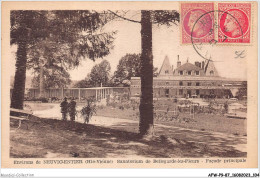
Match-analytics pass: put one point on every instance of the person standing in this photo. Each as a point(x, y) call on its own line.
point(64, 109)
point(72, 109)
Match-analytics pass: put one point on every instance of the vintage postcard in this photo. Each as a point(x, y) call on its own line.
point(129, 84)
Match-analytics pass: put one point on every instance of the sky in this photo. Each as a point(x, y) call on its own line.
point(166, 42)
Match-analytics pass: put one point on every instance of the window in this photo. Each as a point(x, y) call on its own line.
point(197, 72)
point(189, 72)
point(180, 83)
point(167, 92)
point(197, 92)
point(189, 83)
point(211, 72)
point(181, 72)
point(167, 83)
point(166, 72)
point(180, 92)
point(197, 83)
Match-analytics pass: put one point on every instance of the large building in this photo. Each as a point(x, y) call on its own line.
point(190, 80)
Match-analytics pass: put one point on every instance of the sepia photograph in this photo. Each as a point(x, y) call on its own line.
point(123, 85)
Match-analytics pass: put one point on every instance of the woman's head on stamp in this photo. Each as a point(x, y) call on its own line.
point(197, 24)
point(234, 23)
point(194, 16)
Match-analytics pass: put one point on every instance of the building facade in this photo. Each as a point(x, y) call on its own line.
point(190, 80)
point(98, 93)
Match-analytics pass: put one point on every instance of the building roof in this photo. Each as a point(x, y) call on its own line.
point(210, 67)
point(166, 66)
point(193, 78)
point(188, 66)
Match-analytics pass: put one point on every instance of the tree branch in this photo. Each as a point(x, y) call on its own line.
point(124, 17)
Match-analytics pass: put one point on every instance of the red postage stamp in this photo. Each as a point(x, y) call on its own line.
point(197, 22)
point(234, 22)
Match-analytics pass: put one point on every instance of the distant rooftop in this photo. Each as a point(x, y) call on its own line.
point(188, 66)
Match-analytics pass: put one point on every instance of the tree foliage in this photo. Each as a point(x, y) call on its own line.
point(129, 66)
point(52, 78)
point(28, 26)
point(85, 83)
point(165, 17)
point(242, 91)
point(100, 74)
point(57, 40)
point(69, 43)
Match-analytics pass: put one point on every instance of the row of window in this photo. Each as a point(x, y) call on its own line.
point(196, 72)
point(181, 83)
point(188, 92)
point(188, 84)
point(189, 72)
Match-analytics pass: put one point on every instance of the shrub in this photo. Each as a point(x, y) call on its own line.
point(112, 104)
point(101, 107)
point(127, 106)
point(42, 99)
point(88, 110)
point(226, 107)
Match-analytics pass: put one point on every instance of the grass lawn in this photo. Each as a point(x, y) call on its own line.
point(46, 138)
point(202, 121)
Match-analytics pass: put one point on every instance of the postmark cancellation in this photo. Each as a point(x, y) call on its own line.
point(224, 23)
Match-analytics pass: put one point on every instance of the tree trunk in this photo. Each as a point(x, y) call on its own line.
point(146, 100)
point(41, 81)
point(20, 76)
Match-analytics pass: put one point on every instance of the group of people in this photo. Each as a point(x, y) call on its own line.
point(68, 107)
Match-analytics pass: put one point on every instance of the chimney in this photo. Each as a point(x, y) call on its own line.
point(198, 64)
point(178, 62)
point(203, 64)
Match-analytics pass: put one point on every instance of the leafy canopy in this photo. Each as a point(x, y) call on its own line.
point(58, 40)
point(129, 66)
point(100, 74)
